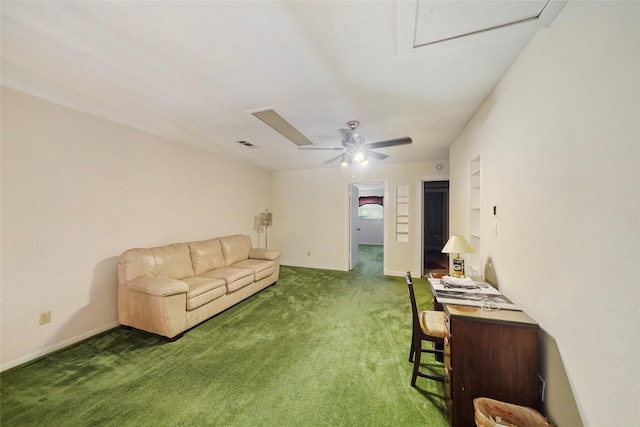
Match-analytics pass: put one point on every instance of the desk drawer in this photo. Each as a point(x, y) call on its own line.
point(447, 322)
point(448, 373)
point(447, 341)
point(447, 345)
point(488, 358)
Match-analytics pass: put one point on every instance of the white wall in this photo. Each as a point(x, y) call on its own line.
point(76, 192)
point(559, 139)
point(370, 231)
point(311, 214)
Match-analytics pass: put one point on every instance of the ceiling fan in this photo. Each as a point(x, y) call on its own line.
point(355, 150)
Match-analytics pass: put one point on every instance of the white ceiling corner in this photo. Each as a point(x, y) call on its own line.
point(191, 71)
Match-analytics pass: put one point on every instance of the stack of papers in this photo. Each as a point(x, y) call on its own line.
point(458, 283)
point(473, 294)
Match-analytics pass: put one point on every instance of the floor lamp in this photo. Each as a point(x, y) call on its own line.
point(266, 219)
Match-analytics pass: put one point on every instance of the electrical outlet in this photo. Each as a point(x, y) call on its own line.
point(45, 317)
point(542, 385)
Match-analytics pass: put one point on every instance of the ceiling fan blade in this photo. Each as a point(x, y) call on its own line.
point(333, 159)
point(375, 155)
point(321, 148)
point(390, 143)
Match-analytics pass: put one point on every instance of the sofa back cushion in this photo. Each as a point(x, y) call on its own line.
point(206, 256)
point(235, 248)
point(171, 261)
point(135, 263)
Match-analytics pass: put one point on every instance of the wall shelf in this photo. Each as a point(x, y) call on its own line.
point(474, 260)
point(402, 213)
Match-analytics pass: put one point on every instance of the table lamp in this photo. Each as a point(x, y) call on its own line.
point(458, 245)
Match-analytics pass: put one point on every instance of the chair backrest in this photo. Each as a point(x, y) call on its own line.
point(412, 297)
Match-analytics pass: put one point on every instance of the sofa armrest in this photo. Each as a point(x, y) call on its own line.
point(266, 254)
point(160, 286)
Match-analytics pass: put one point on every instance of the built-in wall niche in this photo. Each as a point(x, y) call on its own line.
point(474, 260)
point(402, 213)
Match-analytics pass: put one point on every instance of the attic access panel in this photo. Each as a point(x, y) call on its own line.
point(438, 21)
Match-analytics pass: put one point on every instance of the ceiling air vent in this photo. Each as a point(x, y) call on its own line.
point(246, 144)
point(273, 119)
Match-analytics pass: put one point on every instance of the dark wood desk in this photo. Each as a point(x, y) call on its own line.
point(488, 354)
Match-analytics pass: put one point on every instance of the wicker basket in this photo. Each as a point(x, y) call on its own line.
point(493, 413)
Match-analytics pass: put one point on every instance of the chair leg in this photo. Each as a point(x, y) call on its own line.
point(417, 352)
point(412, 348)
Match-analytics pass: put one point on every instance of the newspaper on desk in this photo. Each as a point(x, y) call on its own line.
point(464, 291)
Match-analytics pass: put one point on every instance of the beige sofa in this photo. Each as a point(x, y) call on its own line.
point(169, 289)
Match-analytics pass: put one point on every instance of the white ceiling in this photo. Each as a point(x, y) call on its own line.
point(192, 71)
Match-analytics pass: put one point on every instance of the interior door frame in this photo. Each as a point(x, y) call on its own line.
point(420, 206)
point(443, 191)
point(352, 211)
point(354, 253)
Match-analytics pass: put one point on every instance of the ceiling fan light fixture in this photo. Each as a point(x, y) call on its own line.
point(355, 151)
point(352, 138)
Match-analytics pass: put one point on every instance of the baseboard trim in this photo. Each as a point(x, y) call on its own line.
point(395, 273)
point(55, 347)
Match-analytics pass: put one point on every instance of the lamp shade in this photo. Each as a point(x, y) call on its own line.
point(457, 245)
point(266, 218)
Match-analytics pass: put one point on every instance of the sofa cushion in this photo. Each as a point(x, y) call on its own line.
point(267, 254)
point(203, 290)
point(136, 263)
point(171, 261)
point(235, 248)
point(234, 277)
point(261, 268)
point(157, 286)
point(206, 256)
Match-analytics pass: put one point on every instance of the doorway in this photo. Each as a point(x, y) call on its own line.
point(435, 226)
point(366, 229)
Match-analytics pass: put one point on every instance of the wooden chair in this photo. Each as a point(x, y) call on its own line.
point(427, 326)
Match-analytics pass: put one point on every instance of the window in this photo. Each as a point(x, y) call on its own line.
point(370, 208)
point(370, 212)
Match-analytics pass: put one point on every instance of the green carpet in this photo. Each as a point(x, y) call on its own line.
point(320, 348)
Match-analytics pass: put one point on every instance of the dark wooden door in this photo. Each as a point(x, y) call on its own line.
point(435, 226)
